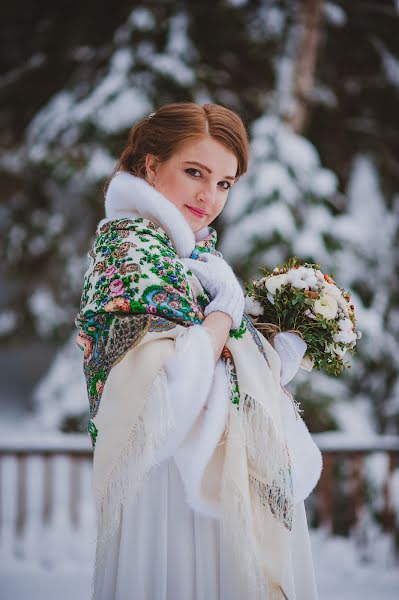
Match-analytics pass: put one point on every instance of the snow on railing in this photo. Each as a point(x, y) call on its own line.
point(47, 510)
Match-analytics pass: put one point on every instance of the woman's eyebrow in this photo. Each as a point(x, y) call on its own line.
point(195, 162)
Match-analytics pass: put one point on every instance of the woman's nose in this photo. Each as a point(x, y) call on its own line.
point(208, 194)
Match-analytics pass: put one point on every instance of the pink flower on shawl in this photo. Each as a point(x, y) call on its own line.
point(151, 309)
point(116, 287)
point(110, 271)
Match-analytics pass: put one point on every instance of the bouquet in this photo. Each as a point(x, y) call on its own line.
point(299, 298)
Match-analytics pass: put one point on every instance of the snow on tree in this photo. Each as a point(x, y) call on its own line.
point(285, 207)
point(366, 262)
point(68, 150)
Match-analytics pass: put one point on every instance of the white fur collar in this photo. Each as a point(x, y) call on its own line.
point(130, 196)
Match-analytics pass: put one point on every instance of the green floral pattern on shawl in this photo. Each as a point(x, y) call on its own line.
point(135, 283)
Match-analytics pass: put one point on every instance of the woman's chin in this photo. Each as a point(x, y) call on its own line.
point(195, 227)
point(194, 222)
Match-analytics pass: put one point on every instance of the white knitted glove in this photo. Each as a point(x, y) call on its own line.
point(291, 348)
point(217, 277)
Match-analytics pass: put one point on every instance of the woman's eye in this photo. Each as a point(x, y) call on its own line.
point(228, 185)
point(225, 185)
point(192, 172)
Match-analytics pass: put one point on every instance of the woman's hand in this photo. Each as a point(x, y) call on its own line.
point(217, 277)
point(291, 348)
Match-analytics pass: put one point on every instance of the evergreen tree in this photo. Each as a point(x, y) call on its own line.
point(303, 75)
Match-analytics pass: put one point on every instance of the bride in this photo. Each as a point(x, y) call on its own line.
point(201, 462)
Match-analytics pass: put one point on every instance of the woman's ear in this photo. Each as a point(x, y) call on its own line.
point(151, 166)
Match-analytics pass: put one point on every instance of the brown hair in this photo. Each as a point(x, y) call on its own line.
point(162, 132)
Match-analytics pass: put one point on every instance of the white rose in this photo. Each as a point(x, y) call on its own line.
point(275, 282)
point(253, 307)
point(326, 306)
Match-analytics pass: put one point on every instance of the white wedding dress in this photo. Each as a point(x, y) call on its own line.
point(164, 550)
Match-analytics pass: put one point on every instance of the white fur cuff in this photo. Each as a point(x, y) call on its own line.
point(189, 374)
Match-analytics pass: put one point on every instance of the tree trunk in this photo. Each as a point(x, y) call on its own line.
point(310, 22)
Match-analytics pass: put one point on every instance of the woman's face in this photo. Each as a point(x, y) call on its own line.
point(196, 179)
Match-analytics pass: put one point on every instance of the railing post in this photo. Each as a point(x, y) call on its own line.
point(326, 491)
point(21, 493)
point(74, 488)
point(47, 487)
point(357, 485)
point(389, 512)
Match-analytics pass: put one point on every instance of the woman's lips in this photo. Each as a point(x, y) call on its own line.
point(197, 213)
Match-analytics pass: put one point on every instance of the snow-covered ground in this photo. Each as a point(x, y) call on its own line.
point(339, 570)
point(342, 574)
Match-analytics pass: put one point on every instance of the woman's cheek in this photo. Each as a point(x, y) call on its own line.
point(220, 207)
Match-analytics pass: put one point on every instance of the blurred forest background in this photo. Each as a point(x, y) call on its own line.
point(317, 84)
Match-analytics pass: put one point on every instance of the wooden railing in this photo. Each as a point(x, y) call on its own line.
point(344, 462)
point(46, 480)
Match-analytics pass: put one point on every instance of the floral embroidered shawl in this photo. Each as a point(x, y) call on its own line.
point(125, 280)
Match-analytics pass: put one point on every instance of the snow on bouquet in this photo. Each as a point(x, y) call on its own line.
point(299, 298)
